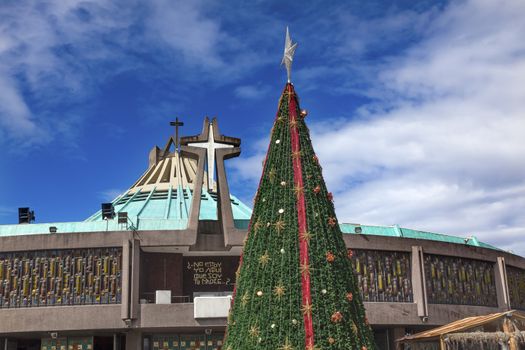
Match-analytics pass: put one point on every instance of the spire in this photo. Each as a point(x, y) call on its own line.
point(296, 287)
point(289, 51)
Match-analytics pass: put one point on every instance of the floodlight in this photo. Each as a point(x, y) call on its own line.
point(108, 211)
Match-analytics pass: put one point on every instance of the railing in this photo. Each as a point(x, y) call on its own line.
point(149, 298)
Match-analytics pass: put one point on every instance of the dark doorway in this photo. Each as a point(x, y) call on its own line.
point(28, 344)
point(103, 343)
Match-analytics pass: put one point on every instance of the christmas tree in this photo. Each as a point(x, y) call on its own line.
point(295, 288)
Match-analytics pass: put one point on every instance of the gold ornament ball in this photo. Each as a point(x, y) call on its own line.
point(259, 293)
point(294, 321)
point(283, 183)
point(304, 113)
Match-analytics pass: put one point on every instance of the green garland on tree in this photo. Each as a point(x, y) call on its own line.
point(295, 287)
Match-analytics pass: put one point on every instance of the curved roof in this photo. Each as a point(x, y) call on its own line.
point(165, 192)
point(172, 204)
point(172, 170)
point(161, 199)
point(396, 231)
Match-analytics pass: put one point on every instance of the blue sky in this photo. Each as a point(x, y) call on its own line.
point(417, 109)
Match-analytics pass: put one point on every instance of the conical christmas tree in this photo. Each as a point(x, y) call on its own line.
point(295, 288)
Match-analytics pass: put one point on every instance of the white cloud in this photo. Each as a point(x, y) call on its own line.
point(444, 150)
point(252, 92)
point(110, 194)
point(41, 46)
point(182, 25)
point(56, 54)
point(441, 148)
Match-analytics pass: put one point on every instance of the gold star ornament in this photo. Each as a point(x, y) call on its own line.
point(305, 269)
point(306, 309)
point(306, 236)
point(286, 345)
point(264, 259)
point(298, 190)
point(254, 331)
point(245, 299)
point(279, 226)
point(296, 154)
point(257, 226)
point(271, 175)
point(279, 291)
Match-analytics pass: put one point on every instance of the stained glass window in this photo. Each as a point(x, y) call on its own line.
point(516, 281)
point(60, 277)
point(188, 341)
point(451, 280)
point(383, 275)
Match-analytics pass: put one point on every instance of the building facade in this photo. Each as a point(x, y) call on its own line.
point(155, 269)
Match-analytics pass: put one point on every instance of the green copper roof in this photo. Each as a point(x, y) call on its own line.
point(396, 231)
point(169, 210)
point(152, 210)
point(173, 204)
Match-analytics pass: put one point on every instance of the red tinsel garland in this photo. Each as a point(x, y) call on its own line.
point(301, 217)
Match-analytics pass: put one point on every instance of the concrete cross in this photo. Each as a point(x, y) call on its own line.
point(176, 124)
point(210, 145)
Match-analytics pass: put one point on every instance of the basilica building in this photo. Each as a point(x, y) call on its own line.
point(155, 268)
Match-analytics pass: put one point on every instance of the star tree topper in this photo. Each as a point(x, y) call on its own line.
point(289, 51)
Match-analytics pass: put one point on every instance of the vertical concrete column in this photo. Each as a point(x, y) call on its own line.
point(418, 281)
point(135, 279)
point(393, 334)
point(502, 286)
point(10, 345)
point(133, 340)
point(124, 306)
point(224, 205)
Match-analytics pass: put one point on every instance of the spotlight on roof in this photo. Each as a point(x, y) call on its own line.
point(52, 229)
point(25, 216)
point(122, 217)
point(108, 211)
point(358, 230)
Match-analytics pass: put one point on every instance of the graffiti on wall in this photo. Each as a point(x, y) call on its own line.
point(60, 277)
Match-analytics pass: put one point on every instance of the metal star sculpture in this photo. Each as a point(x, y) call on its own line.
point(289, 51)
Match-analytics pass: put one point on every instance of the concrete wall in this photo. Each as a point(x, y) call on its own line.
point(144, 270)
point(61, 318)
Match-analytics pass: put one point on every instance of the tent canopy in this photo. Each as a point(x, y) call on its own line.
point(518, 318)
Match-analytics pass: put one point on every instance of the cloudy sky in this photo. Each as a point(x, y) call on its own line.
point(417, 109)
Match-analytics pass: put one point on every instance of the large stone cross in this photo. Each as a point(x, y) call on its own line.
point(210, 145)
